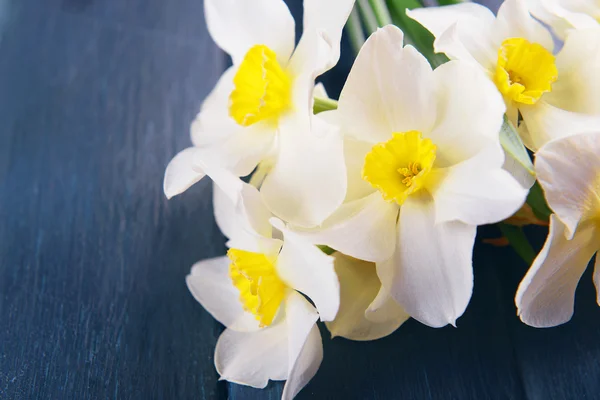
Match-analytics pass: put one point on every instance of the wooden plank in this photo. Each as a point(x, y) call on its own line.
point(561, 362)
point(93, 301)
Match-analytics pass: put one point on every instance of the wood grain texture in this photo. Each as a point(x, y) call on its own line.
point(95, 98)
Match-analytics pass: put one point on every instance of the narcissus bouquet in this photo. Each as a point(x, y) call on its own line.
point(362, 212)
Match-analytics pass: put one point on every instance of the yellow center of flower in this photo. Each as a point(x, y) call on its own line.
point(261, 290)
point(400, 166)
point(262, 88)
point(525, 71)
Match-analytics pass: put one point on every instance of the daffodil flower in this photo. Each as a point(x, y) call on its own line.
point(424, 168)
point(546, 96)
point(261, 108)
point(565, 15)
point(569, 171)
point(254, 291)
point(367, 311)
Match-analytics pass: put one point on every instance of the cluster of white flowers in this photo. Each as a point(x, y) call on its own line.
point(366, 214)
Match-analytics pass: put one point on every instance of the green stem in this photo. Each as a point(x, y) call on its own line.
point(368, 16)
point(355, 31)
point(323, 104)
point(382, 14)
point(519, 242)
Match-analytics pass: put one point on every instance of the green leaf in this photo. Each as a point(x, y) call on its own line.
point(355, 32)
point(326, 249)
point(367, 15)
point(382, 14)
point(514, 147)
point(414, 32)
point(322, 104)
point(519, 242)
point(537, 201)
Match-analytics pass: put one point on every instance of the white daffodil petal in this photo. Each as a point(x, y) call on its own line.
point(305, 351)
point(237, 25)
point(355, 152)
point(359, 287)
point(546, 294)
point(568, 172)
point(211, 286)
point(470, 112)
point(323, 21)
point(241, 151)
point(307, 269)
point(545, 122)
point(462, 31)
point(477, 191)
point(213, 123)
point(384, 308)
point(308, 180)
point(565, 15)
point(225, 213)
point(241, 201)
point(364, 229)
point(318, 49)
point(432, 267)
point(370, 107)
point(515, 21)
point(182, 173)
point(252, 358)
point(578, 81)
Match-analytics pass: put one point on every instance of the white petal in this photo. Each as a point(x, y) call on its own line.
point(308, 181)
point(237, 25)
point(252, 358)
point(213, 123)
point(307, 269)
point(323, 21)
point(318, 49)
point(578, 81)
point(320, 91)
point(545, 122)
point(364, 229)
point(305, 351)
point(389, 89)
point(355, 152)
point(241, 151)
point(241, 213)
point(225, 143)
point(565, 17)
point(477, 191)
point(547, 293)
point(569, 171)
point(238, 207)
point(432, 275)
point(514, 20)
point(211, 286)
point(181, 173)
point(470, 112)
point(383, 308)
point(462, 31)
point(225, 212)
point(360, 286)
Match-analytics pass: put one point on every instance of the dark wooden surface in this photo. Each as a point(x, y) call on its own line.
point(95, 98)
